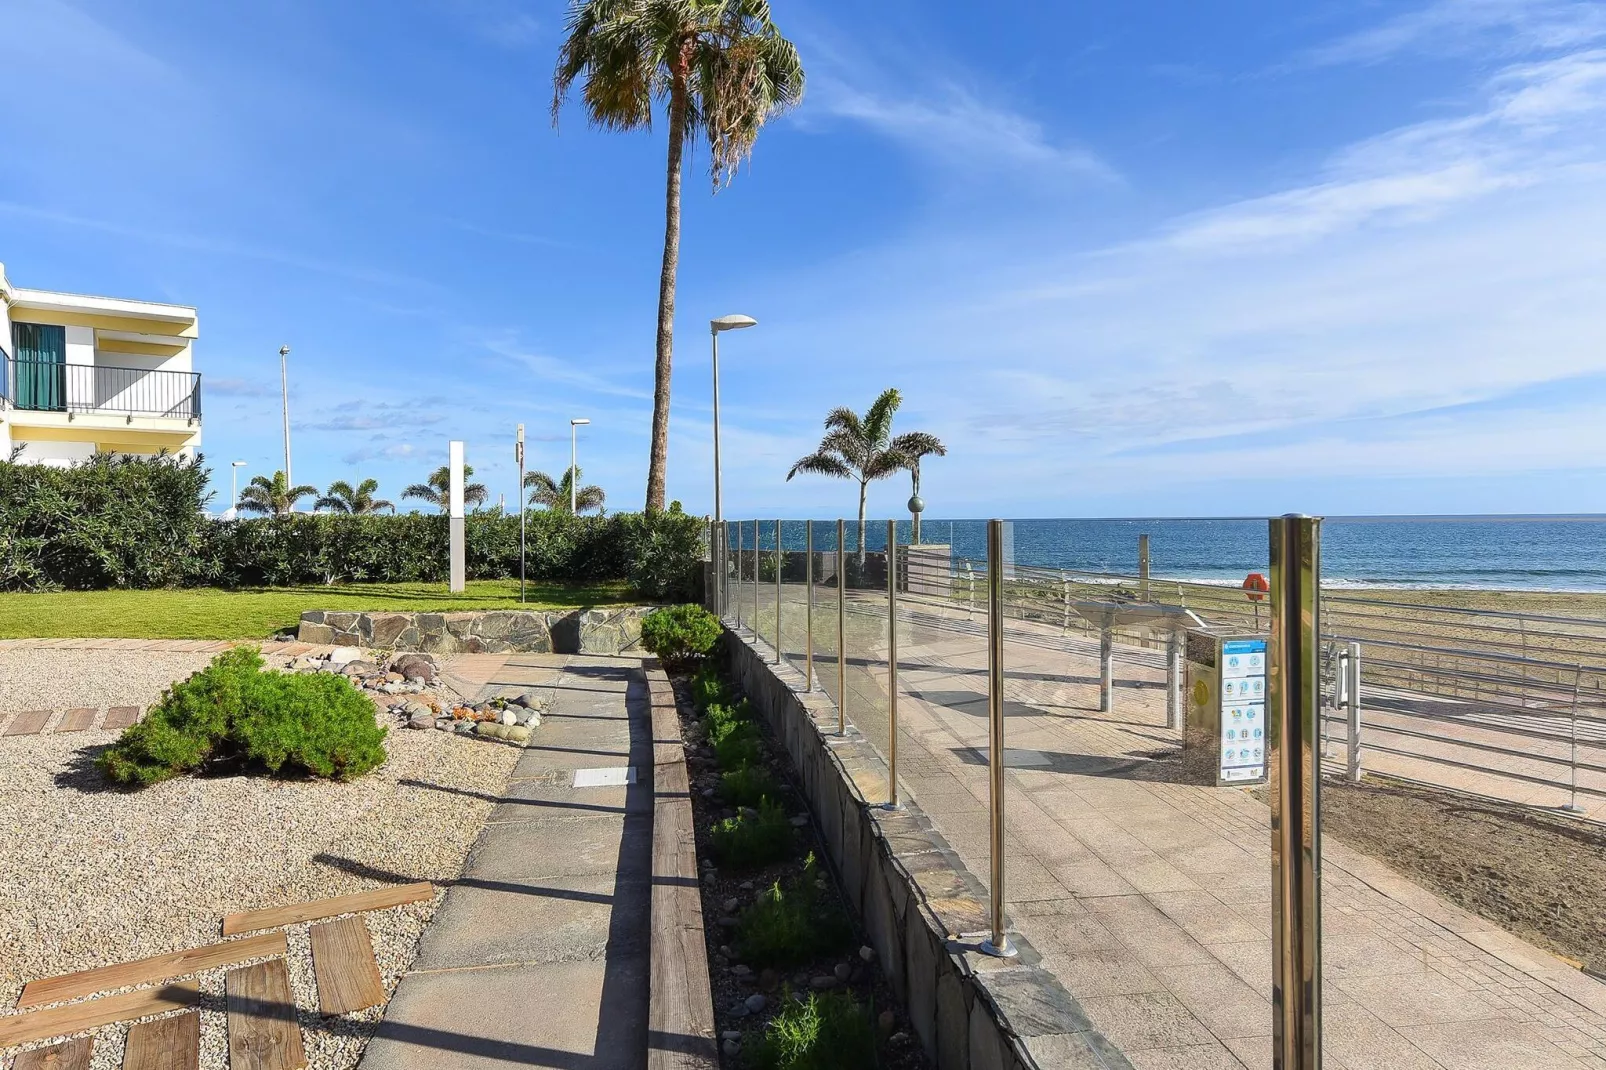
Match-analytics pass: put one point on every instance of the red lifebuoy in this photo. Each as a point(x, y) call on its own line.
point(1255, 586)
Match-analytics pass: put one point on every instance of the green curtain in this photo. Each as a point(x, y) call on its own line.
point(41, 350)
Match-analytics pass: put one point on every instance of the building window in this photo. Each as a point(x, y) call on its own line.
point(41, 361)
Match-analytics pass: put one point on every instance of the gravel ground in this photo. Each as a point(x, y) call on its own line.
point(91, 876)
point(58, 679)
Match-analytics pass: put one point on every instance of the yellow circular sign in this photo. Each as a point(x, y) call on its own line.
point(1201, 693)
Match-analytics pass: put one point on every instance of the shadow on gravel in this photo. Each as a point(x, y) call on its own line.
point(84, 776)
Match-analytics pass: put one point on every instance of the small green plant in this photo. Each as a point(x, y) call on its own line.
point(791, 925)
point(234, 711)
point(680, 636)
point(707, 688)
point(748, 785)
point(738, 749)
point(723, 720)
point(753, 838)
point(824, 1032)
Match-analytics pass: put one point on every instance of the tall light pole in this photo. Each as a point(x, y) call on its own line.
point(234, 488)
point(574, 462)
point(518, 450)
point(715, 327)
point(284, 392)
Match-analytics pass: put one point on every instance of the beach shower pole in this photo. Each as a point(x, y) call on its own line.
point(1293, 709)
point(1173, 680)
point(892, 661)
point(1106, 668)
point(997, 942)
point(841, 630)
point(808, 585)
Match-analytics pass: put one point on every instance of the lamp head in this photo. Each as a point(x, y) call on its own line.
point(731, 323)
point(238, 464)
point(284, 351)
point(577, 423)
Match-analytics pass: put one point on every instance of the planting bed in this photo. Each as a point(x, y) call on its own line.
point(795, 986)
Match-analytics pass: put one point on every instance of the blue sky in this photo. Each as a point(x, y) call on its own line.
point(1137, 259)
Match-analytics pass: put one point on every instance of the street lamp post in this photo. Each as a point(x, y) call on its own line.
point(574, 462)
point(723, 323)
point(284, 392)
point(519, 449)
point(234, 488)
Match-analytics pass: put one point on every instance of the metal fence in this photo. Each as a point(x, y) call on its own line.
point(50, 386)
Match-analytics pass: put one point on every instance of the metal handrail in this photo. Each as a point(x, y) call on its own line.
point(50, 386)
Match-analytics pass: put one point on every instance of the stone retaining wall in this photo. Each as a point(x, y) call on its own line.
point(585, 631)
point(920, 906)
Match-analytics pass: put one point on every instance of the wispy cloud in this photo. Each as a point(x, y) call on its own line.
point(554, 370)
point(1508, 27)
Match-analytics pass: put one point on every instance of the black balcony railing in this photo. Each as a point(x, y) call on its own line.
point(51, 386)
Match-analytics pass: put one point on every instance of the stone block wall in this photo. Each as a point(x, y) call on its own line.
point(587, 631)
point(921, 907)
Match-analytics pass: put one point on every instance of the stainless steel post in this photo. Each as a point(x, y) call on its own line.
point(808, 584)
point(841, 630)
point(1352, 710)
point(1293, 707)
point(1065, 603)
point(736, 603)
point(997, 942)
point(1173, 681)
point(892, 661)
point(757, 538)
point(779, 560)
point(1572, 806)
point(1143, 567)
point(970, 591)
point(1106, 669)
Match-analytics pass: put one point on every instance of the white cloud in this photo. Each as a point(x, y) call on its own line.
point(1508, 26)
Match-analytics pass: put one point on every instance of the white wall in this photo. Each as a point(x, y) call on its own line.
point(56, 454)
point(80, 350)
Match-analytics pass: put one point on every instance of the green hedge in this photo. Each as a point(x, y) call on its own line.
point(131, 522)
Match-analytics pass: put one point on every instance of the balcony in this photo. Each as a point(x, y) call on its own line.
point(100, 389)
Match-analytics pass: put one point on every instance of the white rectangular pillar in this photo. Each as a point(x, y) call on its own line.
point(458, 573)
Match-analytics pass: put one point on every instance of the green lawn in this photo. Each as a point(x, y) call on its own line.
point(258, 613)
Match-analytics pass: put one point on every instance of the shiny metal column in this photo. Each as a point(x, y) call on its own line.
point(1106, 669)
point(1352, 710)
point(1173, 680)
point(841, 630)
point(779, 560)
point(757, 632)
point(808, 584)
point(736, 603)
point(1293, 711)
point(997, 942)
point(892, 660)
point(1143, 567)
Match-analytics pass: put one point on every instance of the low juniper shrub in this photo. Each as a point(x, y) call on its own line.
point(234, 712)
point(748, 785)
point(753, 838)
point(829, 1031)
point(680, 636)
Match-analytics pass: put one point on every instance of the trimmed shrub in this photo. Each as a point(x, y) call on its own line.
point(680, 636)
point(829, 1031)
point(233, 711)
point(786, 927)
point(753, 838)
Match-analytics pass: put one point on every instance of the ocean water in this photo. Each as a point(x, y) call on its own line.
point(1500, 553)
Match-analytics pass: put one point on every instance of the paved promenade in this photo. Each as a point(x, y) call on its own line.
point(1151, 900)
point(538, 956)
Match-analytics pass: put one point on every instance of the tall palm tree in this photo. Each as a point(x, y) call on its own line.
point(554, 493)
point(912, 446)
point(437, 490)
point(343, 498)
point(272, 497)
point(721, 68)
point(862, 448)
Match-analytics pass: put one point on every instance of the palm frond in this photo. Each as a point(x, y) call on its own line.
point(821, 464)
point(878, 421)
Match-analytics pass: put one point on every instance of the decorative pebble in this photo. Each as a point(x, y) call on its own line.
point(755, 1002)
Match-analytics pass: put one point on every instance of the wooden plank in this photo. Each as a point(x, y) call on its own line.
point(343, 962)
point(27, 723)
point(680, 1001)
point(92, 1013)
point(149, 971)
point(378, 899)
point(70, 1055)
point(263, 1034)
point(77, 720)
point(121, 716)
point(172, 1043)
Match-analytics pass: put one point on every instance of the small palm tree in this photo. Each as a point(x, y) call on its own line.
point(862, 448)
point(342, 498)
point(721, 68)
point(272, 497)
point(554, 493)
point(437, 490)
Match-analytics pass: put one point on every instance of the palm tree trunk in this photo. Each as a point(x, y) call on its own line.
point(864, 488)
point(658, 464)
